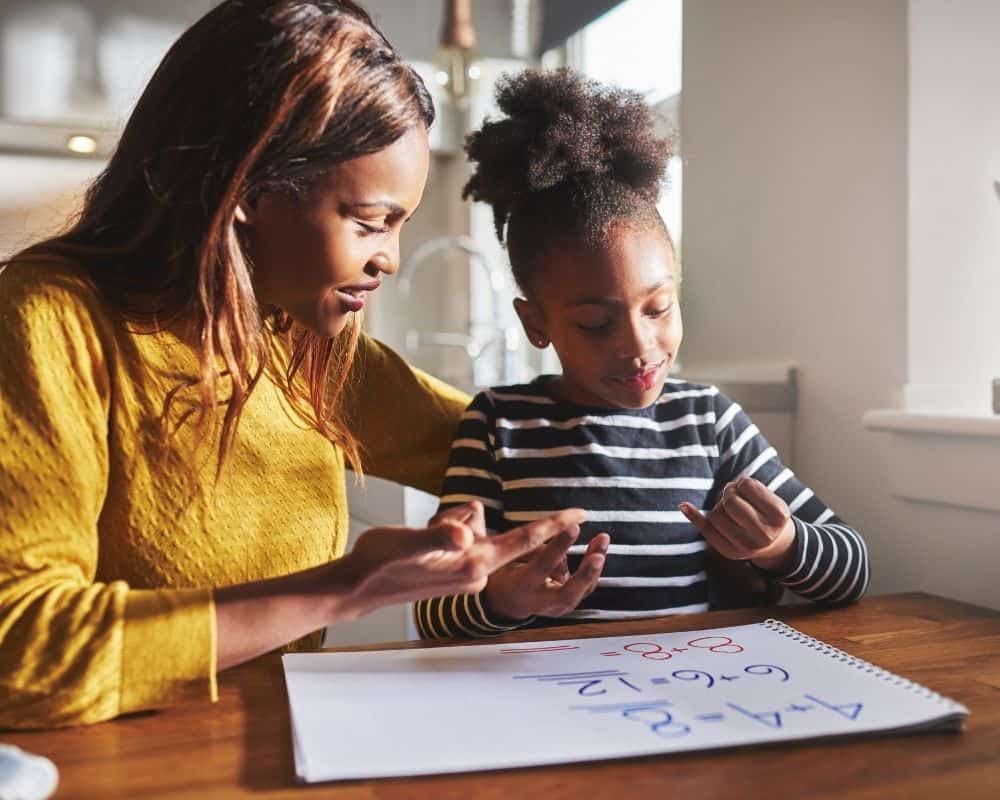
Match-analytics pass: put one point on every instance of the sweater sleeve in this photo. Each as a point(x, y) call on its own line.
point(403, 418)
point(74, 650)
point(471, 475)
point(830, 558)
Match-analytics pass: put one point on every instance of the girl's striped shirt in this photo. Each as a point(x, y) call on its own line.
point(525, 456)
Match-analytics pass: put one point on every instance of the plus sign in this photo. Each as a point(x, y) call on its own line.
point(678, 650)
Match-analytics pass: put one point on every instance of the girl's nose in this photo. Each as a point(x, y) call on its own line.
point(635, 341)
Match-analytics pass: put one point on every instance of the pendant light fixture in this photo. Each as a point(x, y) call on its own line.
point(456, 67)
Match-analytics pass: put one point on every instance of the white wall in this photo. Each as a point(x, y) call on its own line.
point(954, 209)
point(39, 196)
point(794, 123)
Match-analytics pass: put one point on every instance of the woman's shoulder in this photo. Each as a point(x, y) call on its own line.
point(49, 286)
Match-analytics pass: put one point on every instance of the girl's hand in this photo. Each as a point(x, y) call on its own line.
point(452, 556)
point(542, 584)
point(750, 522)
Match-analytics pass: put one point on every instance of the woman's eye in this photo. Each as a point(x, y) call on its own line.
point(372, 229)
point(661, 312)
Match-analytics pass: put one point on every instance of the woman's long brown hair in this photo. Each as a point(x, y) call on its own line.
point(258, 96)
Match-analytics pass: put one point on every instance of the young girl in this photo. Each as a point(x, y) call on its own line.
point(179, 395)
point(673, 471)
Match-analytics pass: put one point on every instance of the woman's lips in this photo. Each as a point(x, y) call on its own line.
point(351, 301)
point(352, 298)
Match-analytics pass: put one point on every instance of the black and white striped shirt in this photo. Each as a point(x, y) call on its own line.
point(525, 456)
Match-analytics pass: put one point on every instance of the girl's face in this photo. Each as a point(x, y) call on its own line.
point(318, 257)
point(611, 313)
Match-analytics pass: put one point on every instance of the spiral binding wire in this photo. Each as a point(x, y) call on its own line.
point(783, 629)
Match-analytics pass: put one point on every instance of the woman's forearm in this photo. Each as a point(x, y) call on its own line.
point(254, 618)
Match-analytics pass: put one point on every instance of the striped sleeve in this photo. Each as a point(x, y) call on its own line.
point(471, 475)
point(830, 558)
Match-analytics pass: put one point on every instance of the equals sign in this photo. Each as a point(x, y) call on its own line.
point(611, 653)
point(710, 717)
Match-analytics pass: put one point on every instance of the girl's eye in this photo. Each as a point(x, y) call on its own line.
point(595, 330)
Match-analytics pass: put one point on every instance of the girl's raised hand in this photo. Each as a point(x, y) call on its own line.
point(750, 522)
point(541, 584)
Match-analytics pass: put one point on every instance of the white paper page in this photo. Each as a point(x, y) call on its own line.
point(411, 712)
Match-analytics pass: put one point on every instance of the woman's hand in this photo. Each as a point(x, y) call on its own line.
point(541, 584)
point(750, 522)
point(452, 556)
point(387, 565)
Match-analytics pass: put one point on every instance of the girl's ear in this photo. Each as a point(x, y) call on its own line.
point(532, 322)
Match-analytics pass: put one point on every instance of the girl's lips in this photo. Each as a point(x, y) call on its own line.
point(642, 379)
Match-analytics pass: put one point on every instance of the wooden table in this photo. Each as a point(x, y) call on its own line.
point(241, 746)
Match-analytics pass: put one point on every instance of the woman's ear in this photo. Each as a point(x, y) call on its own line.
point(246, 212)
point(532, 322)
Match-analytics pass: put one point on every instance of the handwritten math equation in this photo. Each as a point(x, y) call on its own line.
point(657, 712)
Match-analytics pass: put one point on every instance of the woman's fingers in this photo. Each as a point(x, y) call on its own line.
point(448, 535)
point(520, 541)
point(471, 514)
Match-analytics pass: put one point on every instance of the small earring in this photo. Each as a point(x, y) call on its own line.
point(540, 342)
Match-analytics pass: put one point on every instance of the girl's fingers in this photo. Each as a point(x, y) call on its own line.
point(752, 526)
point(771, 507)
point(549, 557)
point(707, 529)
point(599, 544)
point(581, 583)
point(742, 541)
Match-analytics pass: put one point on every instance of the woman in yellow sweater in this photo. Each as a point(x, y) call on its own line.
point(183, 379)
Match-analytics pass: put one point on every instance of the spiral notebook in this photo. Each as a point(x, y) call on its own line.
point(453, 709)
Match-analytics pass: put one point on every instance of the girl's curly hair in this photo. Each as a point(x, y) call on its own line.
point(570, 158)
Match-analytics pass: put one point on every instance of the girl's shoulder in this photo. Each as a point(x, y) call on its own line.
point(532, 392)
point(692, 397)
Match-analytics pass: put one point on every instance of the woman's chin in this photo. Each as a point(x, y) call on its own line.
point(321, 321)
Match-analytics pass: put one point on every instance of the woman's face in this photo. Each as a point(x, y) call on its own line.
point(317, 257)
point(611, 314)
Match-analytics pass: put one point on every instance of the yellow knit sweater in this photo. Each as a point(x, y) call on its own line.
point(111, 542)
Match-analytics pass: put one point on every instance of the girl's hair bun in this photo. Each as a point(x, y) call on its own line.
point(562, 129)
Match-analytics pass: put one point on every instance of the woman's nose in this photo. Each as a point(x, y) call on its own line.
point(385, 261)
point(390, 264)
